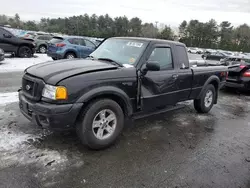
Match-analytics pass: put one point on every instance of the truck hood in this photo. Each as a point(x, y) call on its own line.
point(53, 72)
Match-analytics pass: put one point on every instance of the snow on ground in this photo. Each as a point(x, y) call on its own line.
point(19, 64)
point(21, 143)
point(6, 98)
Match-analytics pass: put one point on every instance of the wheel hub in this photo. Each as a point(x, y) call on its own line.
point(208, 98)
point(104, 124)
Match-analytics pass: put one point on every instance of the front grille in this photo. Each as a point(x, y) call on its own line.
point(32, 87)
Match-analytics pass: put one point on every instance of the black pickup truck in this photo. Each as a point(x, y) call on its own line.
point(124, 78)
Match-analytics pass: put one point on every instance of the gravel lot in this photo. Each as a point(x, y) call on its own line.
point(175, 149)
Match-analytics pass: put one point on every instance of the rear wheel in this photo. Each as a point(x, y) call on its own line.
point(24, 51)
point(206, 101)
point(100, 124)
point(54, 58)
point(43, 49)
point(70, 55)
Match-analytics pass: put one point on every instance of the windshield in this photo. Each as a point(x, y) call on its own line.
point(123, 51)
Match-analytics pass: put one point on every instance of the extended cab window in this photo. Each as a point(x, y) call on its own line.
point(163, 56)
point(182, 56)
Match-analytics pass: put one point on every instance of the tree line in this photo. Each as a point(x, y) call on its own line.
point(193, 33)
point(213, 35)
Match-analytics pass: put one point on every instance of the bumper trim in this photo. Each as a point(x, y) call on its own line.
point(46, 115)
point(234, 85)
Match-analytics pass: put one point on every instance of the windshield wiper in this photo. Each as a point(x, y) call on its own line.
point(111, 61)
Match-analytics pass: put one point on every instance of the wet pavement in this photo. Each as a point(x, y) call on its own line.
point(175, 149)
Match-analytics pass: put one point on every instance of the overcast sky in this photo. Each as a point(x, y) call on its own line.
point(170, 12)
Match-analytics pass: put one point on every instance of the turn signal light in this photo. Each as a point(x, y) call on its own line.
point(61, 93)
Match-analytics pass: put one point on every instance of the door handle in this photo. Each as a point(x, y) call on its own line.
point(175, 76)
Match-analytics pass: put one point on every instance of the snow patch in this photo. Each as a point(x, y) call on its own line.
point(20, 64)
point(14, 140)
point(202, 117)
point(6, 98)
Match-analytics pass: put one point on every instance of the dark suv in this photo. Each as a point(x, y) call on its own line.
point(12, 44)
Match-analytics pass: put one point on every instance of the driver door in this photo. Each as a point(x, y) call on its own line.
point(159, 87)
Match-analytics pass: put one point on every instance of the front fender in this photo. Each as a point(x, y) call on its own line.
point(108, 90)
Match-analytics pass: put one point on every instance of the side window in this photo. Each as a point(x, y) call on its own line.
point(163, 56)
point(74, 41)
point(82, 42)
point(1, 32)
point(89, 44)
point(48, 38)
point(40, 38)
point(182, 56)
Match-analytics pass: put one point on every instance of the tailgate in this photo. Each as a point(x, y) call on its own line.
point(52, 47)
point(52, 44)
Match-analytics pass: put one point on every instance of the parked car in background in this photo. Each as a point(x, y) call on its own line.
point(41, 42)
point(1, 54)
point(195, 50)
point(69, 47)
point(28, 35)
point(192, 50)
point(12, 44)
point(231, 60)
point(214, 56)
point(239, 75)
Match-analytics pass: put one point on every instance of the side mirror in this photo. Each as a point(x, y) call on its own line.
point(7, 35)
point(150, 66)
point(153, 66)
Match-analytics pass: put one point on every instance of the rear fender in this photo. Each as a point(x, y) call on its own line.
point(214, 80)
point(108, 91)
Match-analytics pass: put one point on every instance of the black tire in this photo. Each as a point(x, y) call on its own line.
point(54, 58)
point(24, 51)
point(199, 104)
point(84, 126)
point(42, 49)
point(70, 55)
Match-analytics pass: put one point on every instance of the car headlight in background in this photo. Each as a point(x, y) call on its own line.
point(1, 51)
point(55, 92)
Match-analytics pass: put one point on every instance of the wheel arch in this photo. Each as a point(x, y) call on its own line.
point(215, 81)
point(109, 92)
point(70, 51)
point(21, 45)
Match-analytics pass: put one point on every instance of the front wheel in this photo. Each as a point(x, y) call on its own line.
point(100, 124)
point(24, 51)
point(206, 101)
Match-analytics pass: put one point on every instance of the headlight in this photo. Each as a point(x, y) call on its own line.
point(55, 92)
